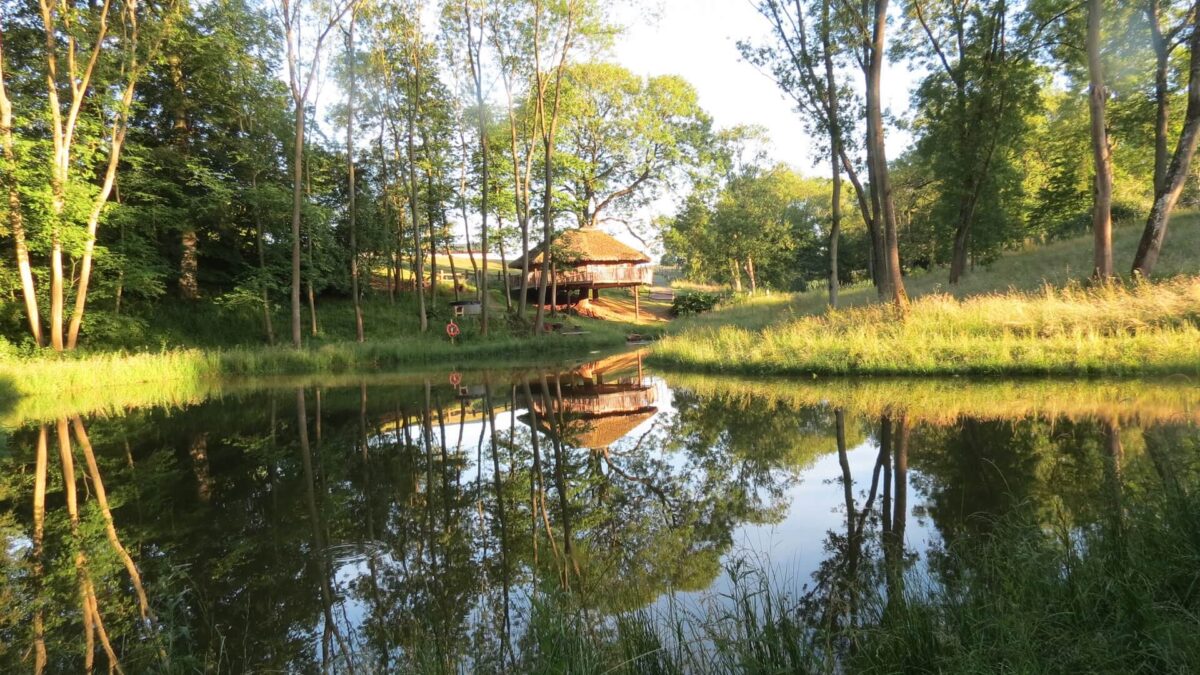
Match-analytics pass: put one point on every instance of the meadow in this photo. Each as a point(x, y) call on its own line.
point(1030, 313)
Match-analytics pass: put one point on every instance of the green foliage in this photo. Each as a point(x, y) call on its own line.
point(767, 225)
point(694, 302)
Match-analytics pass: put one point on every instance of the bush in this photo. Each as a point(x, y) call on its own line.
point(694, 303)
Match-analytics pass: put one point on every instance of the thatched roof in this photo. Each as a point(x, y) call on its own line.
point(586, 245)
point(595, 432)
point(602, 432)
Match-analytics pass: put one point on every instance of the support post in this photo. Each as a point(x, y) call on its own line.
point(637, 303)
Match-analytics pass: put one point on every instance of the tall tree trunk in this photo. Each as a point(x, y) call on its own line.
point(56, 288)
point(310, 294)
point(878, 158)
point(1177, 171)
point(116, 142)
point(1102, 262)
point(484, 187)
point(351, 63)
point(268, 325)
point(418, 255)
point(1162, 94)
point(462, 204)
point(547, 231)
point(16, 222)
point(548, 130)
point(432, 222)
point(504, 268)
point(835, 151)
point(297, 206)
point(78, 82)
point(450, 259)
point(189, 264)
point(750, 273)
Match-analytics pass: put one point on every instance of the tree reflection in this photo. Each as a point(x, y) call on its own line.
point(417, 532)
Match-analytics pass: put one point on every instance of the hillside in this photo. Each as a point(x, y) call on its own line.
point(1057, 264)
point(1028, 314)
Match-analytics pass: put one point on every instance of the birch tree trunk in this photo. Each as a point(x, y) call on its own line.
point(16, 222)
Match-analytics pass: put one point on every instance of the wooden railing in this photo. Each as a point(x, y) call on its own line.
point(592, 275)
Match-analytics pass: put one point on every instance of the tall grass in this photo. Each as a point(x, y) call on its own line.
point(42, 386)
point(1112, 330)
point(1057, 264)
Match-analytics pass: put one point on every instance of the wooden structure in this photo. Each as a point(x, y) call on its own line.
point(583, 261)
point(597, 404)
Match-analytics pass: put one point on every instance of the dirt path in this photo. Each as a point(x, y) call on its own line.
point(617, 305)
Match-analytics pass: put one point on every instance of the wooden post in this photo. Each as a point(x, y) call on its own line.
point(637, 303)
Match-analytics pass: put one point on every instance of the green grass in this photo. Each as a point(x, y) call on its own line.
point(1027, 314)
point(178, 355)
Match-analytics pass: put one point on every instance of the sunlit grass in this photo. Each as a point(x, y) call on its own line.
point(1109, 330)
point(1028, 313)
point(44, 387)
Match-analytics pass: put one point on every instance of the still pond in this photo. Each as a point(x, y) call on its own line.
point(431, 521)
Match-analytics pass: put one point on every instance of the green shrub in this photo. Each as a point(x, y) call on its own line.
point(694, 303)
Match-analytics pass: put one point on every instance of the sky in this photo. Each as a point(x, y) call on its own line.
point(697, 39)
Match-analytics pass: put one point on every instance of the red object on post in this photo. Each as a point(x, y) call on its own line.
point(452, 329)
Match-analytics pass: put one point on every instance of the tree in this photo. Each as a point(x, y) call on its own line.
point(352, 71)
point(16, 221)
point(864, 27)
point(1102, 262)
point(558, 29)
point(292, 18)
point(1168, 189)
point(472, 26)
point(510, 26)
point(80, 39)
point(874, 47)
point(972, 108)
point(624, 138)
point(805, 63)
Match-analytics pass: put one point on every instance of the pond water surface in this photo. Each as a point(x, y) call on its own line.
point(377, 523)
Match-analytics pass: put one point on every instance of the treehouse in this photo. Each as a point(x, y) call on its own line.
point(583, 261)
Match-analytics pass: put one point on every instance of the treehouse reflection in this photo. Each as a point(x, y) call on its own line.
point(597, 404)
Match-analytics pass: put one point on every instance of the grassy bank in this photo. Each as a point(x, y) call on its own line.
point(1028, 314)
point(88, 371)
point(172, 350)
point(1103, 331)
